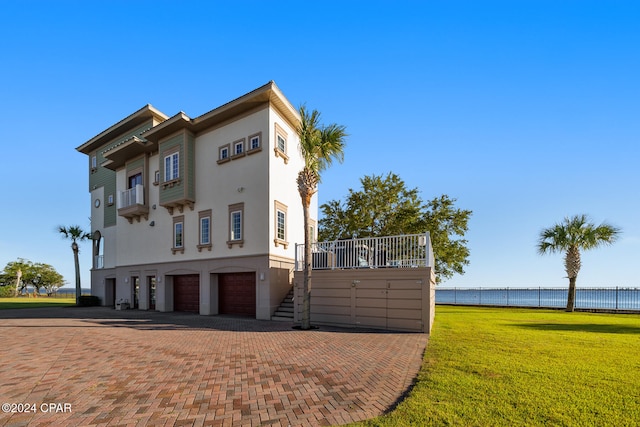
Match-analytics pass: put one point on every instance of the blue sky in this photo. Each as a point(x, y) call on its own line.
point(525, 112)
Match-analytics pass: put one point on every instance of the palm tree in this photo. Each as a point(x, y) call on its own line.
point(319, 146)
point(75, 233)
point(571, 236)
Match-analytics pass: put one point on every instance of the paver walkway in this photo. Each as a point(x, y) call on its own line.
point(133, 368)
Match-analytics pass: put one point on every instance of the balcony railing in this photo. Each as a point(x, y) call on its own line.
point(405, 251)
point(132, 196)
point(98, 261)
point(131, 204)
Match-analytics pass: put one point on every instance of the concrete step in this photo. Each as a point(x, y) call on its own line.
point(282, 313)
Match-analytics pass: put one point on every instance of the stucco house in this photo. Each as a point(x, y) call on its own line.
point(198, 214)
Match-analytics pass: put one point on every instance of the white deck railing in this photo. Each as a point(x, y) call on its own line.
point(405, 251)
point(131, 197)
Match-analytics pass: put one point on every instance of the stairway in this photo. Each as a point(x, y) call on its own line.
point(285, 311)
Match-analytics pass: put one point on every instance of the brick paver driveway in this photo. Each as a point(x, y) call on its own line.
point(97, 366)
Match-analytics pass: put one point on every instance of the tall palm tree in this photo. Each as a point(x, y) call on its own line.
point(319, 146)
point(571, 236)
point(75, 233)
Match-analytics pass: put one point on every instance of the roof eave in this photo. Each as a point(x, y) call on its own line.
point(169, 126)
point(147, 112)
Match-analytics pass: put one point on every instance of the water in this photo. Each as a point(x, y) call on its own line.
point(587, 298)
point(71, 292)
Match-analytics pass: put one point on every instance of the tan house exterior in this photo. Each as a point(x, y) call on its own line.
point(198, 214)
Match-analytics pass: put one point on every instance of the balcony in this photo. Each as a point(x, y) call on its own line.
point(405, 251)
point(98, 261)
point(131, 204)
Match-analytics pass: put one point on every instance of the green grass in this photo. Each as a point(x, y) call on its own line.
point(23, 302)
point(518, 367)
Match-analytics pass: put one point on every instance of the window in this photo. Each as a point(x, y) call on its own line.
point(223, 154)
point(282, 143)
point(135, 179)
point(94, 162)
point(171, 166)
point(177, 242)
point(254, 143)
point(280, 225)
point(178, 234)
point(238, 148)
point(280, 148)
point(236, 225)
point(205, 230)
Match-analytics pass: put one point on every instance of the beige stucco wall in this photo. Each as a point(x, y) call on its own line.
point(143, 248)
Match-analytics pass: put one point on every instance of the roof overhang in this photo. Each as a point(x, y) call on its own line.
point(146, 113)
point(268, 94)
point(128, 149)
point(174, 124)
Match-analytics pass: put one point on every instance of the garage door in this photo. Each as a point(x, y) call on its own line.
point(186, 293)
point(237, 294)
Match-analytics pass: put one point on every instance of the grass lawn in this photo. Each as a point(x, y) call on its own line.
point(515, 367)
point(23, 302)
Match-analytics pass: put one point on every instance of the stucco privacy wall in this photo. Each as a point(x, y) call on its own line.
point(383, 298)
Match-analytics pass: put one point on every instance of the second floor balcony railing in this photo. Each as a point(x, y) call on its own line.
point(132, 196)
point(131, 204)
point(404, 251)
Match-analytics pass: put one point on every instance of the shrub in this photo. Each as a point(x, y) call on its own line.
point(88, 301)
point(7, 291)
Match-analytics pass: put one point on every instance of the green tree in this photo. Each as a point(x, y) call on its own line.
point(23, 273)
point(75, 233)
point(447, 226)
point(49, 279)
point(319, 146)
point(384, 206)
point(571, 236)
point(16, 274)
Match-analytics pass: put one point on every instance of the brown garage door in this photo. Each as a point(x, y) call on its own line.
point(186, 293)
point(237, 293)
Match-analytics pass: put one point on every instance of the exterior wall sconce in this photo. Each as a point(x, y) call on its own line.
point(152, 223)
